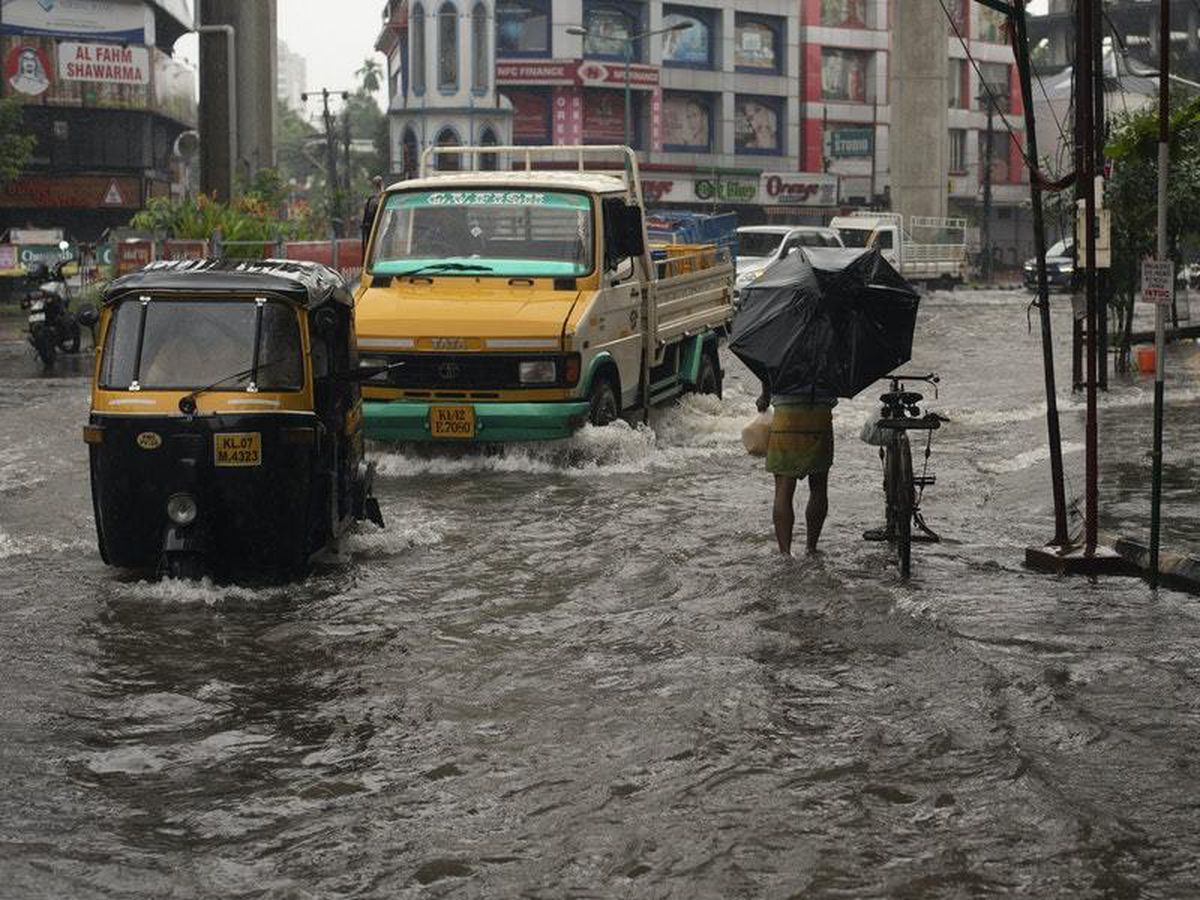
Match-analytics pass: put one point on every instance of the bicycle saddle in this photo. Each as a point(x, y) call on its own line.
point(903, 398)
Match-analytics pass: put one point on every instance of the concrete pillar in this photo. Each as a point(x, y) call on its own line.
point(254, 24)
point(919, 133)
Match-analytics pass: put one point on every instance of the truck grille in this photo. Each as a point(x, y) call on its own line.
point(451, 371)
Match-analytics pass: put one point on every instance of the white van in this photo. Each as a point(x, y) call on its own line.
point(761, 245)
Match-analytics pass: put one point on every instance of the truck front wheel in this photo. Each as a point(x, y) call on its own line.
point(604, 408)
point(708, 380)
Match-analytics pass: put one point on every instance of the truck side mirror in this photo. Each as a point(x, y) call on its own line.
point(623, 232)
point(88, 316)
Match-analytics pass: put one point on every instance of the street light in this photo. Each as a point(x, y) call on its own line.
point(580, 31)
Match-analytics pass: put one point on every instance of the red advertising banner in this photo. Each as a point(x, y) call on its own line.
point(531, 116)
point(656, 120)
point(568, 116)
point(604, 117)
point(562, 73)
point(133, 255)
point(72, 192)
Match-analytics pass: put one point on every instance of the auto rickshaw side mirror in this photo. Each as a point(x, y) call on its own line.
point(324, 322)
point(88, 316)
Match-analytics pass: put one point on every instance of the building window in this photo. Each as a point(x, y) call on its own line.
point(687, 122)
point(523, 27)
point(418, 49)
point(845, 75)
point(995, 77)
point(409, 154)
point(758, 44)
point(958, 150)
point(758, 124)
point(488, 161)
point(989, 25)
point(956, 84)
point(531, 115)
point(448, 162)
point(610, 28)
point(479, 49)
point(447, 21)
point(691, 47)
point(844, 13)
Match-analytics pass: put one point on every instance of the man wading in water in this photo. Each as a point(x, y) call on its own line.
point(800, 446)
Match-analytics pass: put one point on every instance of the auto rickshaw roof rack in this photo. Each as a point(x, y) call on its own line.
point(307, 283)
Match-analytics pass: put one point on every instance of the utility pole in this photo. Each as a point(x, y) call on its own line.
point(1160, 313)
point(1085, 79)
point(985, 237)
point(346, 174)
point(336, 213)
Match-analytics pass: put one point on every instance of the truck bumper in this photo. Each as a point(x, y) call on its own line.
point(408, 421)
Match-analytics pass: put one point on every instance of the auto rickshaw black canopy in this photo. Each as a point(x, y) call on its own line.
point(308, 284)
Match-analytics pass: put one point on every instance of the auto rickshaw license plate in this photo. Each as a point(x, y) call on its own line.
point(452, 421)
point(238, 448)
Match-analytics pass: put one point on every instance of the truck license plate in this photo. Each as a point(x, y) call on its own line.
point(238, 448)
point(452, 422)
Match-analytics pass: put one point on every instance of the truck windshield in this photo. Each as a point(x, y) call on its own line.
point(758, 244)
point(518, 232)
point(855, 237)
point(189, 344)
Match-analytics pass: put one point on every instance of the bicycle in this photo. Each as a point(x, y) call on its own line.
point(902, 491)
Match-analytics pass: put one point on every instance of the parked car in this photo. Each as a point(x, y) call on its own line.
point(1060, 267)
point(761, 245)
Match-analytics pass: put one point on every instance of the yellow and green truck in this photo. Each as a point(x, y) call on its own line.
point(519, 303)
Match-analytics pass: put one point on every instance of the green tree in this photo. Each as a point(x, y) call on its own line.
point(370, 76)
point(16, 145)
point(1132, 195)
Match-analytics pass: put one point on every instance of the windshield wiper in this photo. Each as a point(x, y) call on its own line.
point(444, 267)
point(187, 403)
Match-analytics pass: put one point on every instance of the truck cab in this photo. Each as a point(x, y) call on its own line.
point(925, 249)
point(520, 305)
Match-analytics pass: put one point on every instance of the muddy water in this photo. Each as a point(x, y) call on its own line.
point(581, 671)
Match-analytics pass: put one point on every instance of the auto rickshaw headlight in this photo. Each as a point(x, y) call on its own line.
point(541, 371)
point(181, 509)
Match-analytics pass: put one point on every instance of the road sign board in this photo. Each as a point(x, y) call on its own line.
point(1158, 281)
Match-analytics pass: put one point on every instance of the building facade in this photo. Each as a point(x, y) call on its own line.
point(441, 67)
point(779, 109)
point(105, 101)
point(291, 77)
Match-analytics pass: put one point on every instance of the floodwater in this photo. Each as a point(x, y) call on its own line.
point(581, 671)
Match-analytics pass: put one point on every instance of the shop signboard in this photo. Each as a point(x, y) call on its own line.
point(798, 189)
point(133, 255)
point(562, 73)
point(45, 71)
point(72, 192)
point(851, 142)
point(35, 235)
point(113, 64)
point(128, 23)
point(721, 188)
point(31, 254)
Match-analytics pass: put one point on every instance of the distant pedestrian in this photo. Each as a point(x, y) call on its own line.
point(800, 446)
point(370, 208)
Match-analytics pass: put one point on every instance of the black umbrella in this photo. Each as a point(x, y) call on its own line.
point(826, 319)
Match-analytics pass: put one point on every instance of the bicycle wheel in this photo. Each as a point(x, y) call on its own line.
point(901, 502)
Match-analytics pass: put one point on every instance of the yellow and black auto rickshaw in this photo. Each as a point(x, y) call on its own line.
point(225, 433)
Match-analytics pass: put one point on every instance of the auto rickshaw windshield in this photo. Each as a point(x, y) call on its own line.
point(188, 344)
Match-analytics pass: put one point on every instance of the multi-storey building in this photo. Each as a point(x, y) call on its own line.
point(441, 65)
point(291, 77)
point(105, 101)
point(777, 108)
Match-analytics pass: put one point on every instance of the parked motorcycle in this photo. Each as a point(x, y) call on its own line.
point(52, 325)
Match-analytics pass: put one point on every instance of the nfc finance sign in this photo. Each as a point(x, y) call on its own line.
point(847, 142)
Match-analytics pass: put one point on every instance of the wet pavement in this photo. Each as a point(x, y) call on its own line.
point(581, 671)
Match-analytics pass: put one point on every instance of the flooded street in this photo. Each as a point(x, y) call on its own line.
point(582, 671)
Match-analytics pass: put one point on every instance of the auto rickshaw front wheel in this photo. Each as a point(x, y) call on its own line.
point(187, 566)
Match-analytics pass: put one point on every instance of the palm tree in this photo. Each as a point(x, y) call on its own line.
point(370, 76)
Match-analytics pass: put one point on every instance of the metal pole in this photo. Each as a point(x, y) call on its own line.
point(986, 236)
point(874, 148)
point(1164, 161)
point(1085, 62)
point(628, 95)
point(1102, 279)
point(1054, 436)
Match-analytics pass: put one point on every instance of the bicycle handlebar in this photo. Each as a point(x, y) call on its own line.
point(930, 378)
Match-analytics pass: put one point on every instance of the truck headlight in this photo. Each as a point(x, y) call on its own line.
point(541, 371)
point(746, 278)
point(1068, 269)
point(181, 509)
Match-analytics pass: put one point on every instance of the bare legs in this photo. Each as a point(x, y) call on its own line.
point(784, 515)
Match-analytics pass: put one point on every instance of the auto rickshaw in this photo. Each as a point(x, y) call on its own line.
point(225, 432)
